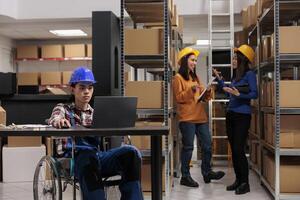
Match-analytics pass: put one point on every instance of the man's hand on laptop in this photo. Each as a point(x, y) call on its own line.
point(62, 123)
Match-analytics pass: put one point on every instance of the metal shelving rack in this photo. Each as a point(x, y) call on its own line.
point(154, 11)
point(281, 12)
point(227, 46)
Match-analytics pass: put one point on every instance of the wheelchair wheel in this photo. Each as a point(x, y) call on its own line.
point(47, 182)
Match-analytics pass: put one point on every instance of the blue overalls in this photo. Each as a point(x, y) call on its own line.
point(91, 165)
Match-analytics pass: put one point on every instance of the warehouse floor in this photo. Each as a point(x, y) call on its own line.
point(213, 191)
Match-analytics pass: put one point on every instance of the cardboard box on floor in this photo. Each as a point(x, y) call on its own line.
point(28, 78)
point(74, 50)
point(52, 51)
point(50, 78)
point(143, 41)
point(149, 93)
point(27, 51)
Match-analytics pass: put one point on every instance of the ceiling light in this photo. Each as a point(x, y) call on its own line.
point(202, 42)
point(68, 33)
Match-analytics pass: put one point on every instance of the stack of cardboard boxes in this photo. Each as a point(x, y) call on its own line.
point(149, 41)
point(54, 51)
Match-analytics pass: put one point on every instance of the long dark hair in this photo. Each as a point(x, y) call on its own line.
point(184, 69)
point(242, 66)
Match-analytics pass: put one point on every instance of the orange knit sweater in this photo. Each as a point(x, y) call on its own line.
point(188, 109)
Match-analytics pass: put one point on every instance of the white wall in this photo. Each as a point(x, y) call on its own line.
point(44, 9)
point(9, 8)
point(196, 7)
point(6, 55)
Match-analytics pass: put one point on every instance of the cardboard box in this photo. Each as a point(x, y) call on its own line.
point(24, 141)
point(289, 130)
point(266, 4)
point(146, 175)
point(52, 51)
point(144, 142)
point(244, 15)
point(250, 15)
point(288, 41)
point(74, 50)
point(50, 78)
point(180, 25)
point(259, 8)
point(19, 163)
point(143, 41)
point(175, 18)
point(149, 93)
point(27, 51)
point(289, 93)
point(240, 37)
point(66, 76)
point(89, 50)
point(28, 78)
point(266, 44)
point(2, 116)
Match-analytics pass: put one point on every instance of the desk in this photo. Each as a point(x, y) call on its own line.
point(156, 133)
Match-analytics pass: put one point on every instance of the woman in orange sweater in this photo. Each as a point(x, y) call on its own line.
point(192, 117)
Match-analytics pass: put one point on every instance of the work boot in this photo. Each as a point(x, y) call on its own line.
point(233, 186)
point(213, 176)
point(188, 181)
point(242, 189)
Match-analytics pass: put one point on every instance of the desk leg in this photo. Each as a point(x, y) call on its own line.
point(156, 167)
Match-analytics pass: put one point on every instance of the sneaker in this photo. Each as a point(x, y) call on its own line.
point(233, 186)
point(188, 181)
point(213, 176)
point(242, 189)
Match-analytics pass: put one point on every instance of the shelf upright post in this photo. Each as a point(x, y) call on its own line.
point(122, 3)
point(277, 108)
point(166, 89)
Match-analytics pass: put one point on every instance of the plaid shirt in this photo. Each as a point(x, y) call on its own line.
point(63, 111)
point(83, 118)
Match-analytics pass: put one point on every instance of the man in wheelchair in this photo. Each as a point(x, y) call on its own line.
point(91, 164)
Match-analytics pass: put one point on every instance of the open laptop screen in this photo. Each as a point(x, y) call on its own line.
point(114, 112)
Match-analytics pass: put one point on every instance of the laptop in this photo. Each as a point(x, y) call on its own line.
point(114, 112)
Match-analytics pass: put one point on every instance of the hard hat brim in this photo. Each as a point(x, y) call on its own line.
point(194, 51)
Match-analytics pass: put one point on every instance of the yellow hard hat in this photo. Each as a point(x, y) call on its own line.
point(247, 51)
point(186, 51)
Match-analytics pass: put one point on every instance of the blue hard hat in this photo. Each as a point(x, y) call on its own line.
point(82, 74)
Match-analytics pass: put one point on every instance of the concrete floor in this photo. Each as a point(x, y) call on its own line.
point(213, 191)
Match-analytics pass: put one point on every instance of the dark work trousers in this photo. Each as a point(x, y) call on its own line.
point(237, 125)
point(91, 166)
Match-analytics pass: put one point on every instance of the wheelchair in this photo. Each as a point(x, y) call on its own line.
point(53, 175)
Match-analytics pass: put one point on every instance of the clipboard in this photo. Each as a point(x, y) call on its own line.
point(200, 98)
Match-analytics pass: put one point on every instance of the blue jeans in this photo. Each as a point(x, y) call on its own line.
point(188, 131)
point(91, 166)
